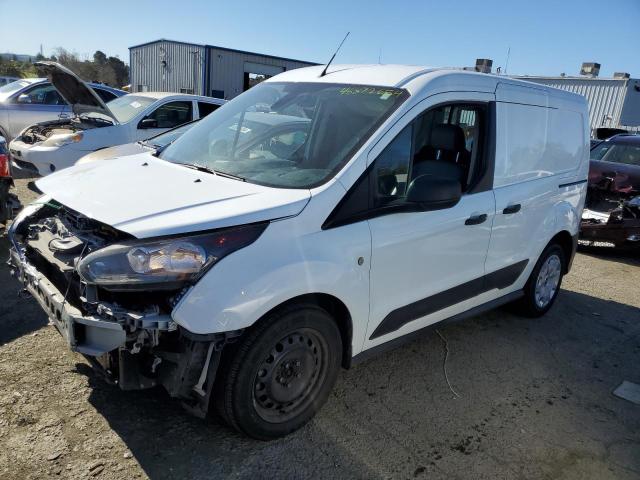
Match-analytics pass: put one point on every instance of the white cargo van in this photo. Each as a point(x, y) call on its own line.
point(305, 225)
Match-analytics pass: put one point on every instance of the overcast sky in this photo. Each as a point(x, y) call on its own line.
point(546, 37)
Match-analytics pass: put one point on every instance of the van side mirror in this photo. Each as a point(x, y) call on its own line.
point(24, 98)
point(148, 123)
point(429, 192)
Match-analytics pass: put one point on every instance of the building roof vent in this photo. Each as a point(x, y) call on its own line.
point(483, 65)
point(621, 75)
point(590, 69)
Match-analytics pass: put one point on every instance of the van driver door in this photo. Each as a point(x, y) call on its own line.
point(429, 265)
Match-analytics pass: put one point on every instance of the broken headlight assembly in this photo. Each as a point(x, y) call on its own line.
point(163, 264)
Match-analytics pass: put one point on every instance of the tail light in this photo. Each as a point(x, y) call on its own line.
point(4, 165)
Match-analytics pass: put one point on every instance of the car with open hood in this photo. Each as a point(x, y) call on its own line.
point(27, 101)
point(49, 146)
point(611, 217)
point(321, 217)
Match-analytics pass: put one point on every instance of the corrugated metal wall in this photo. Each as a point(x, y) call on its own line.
point(631, 110)
point(185, 67)
point(605, 96)
point(227, 69)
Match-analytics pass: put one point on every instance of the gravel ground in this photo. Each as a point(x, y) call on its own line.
point(535, 401)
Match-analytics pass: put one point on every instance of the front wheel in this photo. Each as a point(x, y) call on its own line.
point(281, 373)
point(543, 285)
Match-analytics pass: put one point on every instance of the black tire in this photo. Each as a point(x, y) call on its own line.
point(528, 305)
point(4, 202)
point(281, 373)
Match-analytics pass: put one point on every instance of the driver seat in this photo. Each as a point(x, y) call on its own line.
point(444, 156)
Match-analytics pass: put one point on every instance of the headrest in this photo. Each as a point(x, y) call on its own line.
point(447, 137)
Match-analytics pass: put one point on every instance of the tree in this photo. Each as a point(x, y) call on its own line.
point(120, 70)
point(99, 57)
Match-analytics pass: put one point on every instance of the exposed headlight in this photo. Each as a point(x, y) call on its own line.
point(60, 139)
point(163, 264)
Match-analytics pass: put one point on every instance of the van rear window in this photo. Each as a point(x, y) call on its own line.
point(533, 142)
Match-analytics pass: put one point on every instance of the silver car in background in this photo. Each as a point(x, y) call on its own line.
point(33, 100)
point(5, 80)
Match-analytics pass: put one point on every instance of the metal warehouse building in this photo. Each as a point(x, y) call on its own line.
point(170, 66)
point(613, 102)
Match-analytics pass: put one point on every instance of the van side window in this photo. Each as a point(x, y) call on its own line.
point(392, 169)
point(444, 141)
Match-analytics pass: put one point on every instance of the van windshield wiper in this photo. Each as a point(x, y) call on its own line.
point(230, 175)
point(197, 166)
point(204, 168)
point(157, 149)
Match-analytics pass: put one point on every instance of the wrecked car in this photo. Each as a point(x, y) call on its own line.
point(611, 217)
point(315, 220)
point(46, 147)
point(27, 101)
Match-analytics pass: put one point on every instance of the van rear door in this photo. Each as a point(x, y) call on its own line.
point(536, 146)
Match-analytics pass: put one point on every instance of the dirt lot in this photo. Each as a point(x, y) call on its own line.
point(535, 402)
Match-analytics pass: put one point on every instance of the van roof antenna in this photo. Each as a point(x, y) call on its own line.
point(324, 72)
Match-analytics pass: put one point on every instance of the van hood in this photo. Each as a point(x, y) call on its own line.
point(78, 94)
point(148, 197)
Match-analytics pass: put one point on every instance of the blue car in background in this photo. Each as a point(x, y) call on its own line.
point(33, 100)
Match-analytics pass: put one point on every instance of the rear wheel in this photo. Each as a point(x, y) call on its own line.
point(543, 285)
point(281, 373)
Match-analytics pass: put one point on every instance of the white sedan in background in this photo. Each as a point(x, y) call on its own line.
point(49, 146)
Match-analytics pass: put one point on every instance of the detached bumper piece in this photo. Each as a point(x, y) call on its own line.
point(84, 334)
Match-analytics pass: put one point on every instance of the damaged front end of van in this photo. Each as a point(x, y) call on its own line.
point(110, 296)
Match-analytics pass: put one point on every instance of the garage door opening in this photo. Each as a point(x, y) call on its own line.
point(254, 73)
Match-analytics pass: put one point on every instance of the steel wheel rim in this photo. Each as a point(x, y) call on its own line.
point(290, 376)
point(548, 281)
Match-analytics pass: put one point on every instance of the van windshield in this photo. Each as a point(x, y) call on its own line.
point(287, 135)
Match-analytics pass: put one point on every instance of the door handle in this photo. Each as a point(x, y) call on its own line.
point(515, 208)
point(476, 219)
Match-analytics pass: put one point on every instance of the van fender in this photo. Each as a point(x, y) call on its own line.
point(563, 216)
point(284, 263)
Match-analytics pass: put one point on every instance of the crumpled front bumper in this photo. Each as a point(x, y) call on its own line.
point(84, 334)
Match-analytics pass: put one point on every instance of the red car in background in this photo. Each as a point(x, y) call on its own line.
point(8, 201)
point(611, 216)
